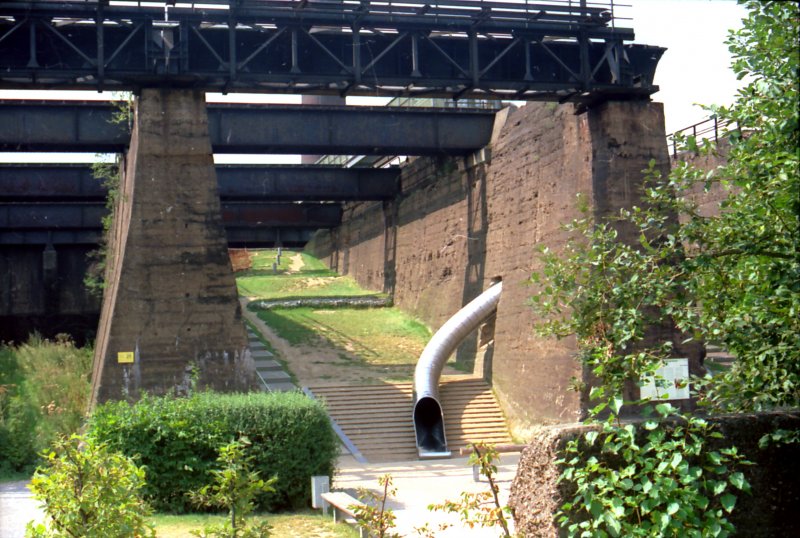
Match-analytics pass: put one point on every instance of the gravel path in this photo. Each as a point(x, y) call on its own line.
point(17, 507)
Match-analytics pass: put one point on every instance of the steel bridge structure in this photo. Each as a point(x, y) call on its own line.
point(566, 50)
point(555, 50)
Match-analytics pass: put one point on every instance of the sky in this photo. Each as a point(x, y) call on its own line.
point(694, 70)
point(696, 66)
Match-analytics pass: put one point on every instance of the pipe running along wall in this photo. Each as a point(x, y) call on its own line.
point(428, 416)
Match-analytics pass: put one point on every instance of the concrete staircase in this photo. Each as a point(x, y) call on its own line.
point(376, 419)
point(269, 370)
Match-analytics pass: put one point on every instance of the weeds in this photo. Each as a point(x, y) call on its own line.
point(373, 516)
point(44, 392)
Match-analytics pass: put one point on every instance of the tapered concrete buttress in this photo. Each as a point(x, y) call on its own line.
point(170, 315)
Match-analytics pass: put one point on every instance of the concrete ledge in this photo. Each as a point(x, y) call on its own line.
point(319, 302)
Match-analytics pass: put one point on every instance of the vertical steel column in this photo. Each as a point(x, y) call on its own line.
point(232, 44)
point(32, 49)
point(101, 55)
point(415, 55)
point(474, 68)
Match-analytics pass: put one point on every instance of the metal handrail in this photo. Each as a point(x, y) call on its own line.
point(581, 12)
point(710, 128)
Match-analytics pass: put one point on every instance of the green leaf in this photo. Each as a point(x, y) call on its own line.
point(738, 480)
point(672, 507)
point(612, 524)
point(616, 403)
point(728, 501)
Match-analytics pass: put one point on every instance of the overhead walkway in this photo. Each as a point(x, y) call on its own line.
point(377, 420)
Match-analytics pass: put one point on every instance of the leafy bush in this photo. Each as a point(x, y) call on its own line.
point(44, 392)
point(89, 491)
point(235, 488)
point(178, 440)
point(660, 478)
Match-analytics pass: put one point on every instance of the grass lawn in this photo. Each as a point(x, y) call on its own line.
point(379, 336)
point(295, 525)
point(312, 280)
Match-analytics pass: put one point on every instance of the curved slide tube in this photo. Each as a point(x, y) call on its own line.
point(428, 417)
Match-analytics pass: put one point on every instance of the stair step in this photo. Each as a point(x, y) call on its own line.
point(274, 376)
point(377, 418)
point(268, 364)
point(281, 387)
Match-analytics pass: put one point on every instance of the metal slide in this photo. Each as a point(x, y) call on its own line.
point(428, 416)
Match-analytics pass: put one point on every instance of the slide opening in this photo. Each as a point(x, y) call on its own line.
point(429, 428)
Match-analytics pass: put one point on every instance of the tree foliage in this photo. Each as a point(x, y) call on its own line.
point(90, 491)
point(745, 273)
point(731, 279)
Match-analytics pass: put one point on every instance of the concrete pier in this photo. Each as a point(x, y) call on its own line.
point(170, 314)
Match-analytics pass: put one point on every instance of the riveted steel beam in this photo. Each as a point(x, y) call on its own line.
point(89, 215)
point(454, 48)
point(267, 237)
point(64, 182)
point(88, 127)
point(245, 222)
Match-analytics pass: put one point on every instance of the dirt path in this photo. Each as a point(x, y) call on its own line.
point(296, 263)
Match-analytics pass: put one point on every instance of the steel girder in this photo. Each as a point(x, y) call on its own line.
point(81, 222)
point(453, 48)
point(267, 237)
point(237, 237)
point(353, 130)
point(64, 182)
point(89, 215)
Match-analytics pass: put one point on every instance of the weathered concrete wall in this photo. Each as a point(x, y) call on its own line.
point(456, 227)
point(770, 510)
point(42, 290)
point(171, 297)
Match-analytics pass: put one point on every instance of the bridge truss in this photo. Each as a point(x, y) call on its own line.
point(567, 50)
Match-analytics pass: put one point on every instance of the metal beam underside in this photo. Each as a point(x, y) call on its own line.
point(237, 236)
point(354, 130)
point(453, 49)
point(64, 182)
point(88, 215)
point(267, 237)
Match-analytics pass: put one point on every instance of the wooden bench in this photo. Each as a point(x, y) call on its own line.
point(341, 503)
point(501, 449)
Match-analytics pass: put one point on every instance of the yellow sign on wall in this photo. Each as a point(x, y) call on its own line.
point(125, 357)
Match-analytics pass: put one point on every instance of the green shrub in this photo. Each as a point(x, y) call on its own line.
point(178, 440)
point(44, 391)
point(90, 491)
point(235, 488)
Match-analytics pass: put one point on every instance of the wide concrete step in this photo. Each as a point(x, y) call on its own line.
point(274, 375)
point(281, 387)
point(377, 419)
point(267, 364)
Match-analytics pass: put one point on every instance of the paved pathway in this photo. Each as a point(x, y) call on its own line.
point(17, 507)
point(420, 483)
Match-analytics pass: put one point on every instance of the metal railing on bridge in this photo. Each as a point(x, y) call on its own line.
point(710, 128)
